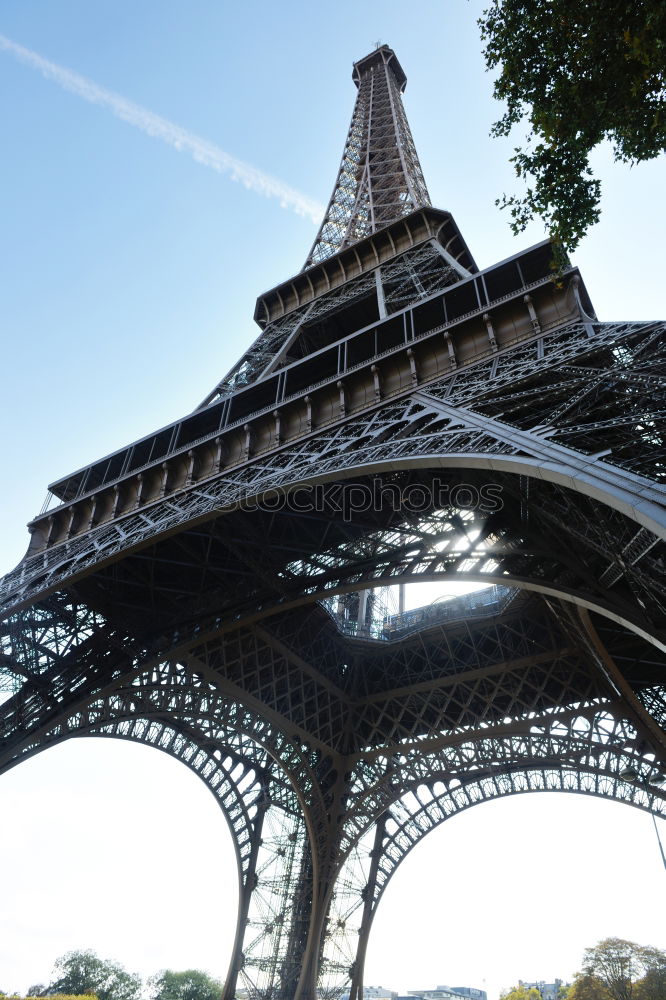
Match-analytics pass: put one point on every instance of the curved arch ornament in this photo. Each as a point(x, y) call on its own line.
point(267, 787)
point(374, 859)
point(402, 417)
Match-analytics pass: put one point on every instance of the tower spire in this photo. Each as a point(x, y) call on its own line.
point(380, 177)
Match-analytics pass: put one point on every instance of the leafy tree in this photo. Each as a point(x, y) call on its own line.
point(576, 72)
point(626, 970)
point(39, 990)
point(587, 987)
point(521, 993)
point(653, 984)
point(189, 985)
point(82, 972)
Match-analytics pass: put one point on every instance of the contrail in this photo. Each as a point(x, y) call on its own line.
point(199, 149)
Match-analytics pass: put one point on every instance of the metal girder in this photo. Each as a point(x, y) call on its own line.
point(400, 281)
point(416, 431)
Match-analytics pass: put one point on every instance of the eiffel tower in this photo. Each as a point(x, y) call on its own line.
point(231, 589)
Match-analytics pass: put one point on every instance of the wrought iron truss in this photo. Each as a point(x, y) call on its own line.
point(404, 280)
point(402, 417)
point(380, 177)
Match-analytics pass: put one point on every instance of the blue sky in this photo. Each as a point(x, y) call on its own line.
point(128, 278)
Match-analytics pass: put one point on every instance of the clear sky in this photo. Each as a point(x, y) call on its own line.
point(128, 275)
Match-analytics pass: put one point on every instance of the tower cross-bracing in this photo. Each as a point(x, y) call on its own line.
point(221, 589)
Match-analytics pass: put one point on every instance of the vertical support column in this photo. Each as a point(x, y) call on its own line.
point(450, 348)
point(275, 945)
point(414, 375)
point(246, 890)
point(362, 610)
point(492, 340)
point(91, 515)
point(299, 969)
point(164, 476)
point(190, 467)
point(376, 383)
point(318, 882)
point(217, 457)
point(116, 498)
point(356, 991)
point(381, 301)
point(536, 326)
point(342, 405)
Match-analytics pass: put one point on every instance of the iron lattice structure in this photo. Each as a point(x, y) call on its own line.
point(380, 177)
point(210, 589)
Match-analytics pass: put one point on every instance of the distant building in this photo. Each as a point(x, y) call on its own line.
point(440, 993)
point(470, 992)
point(548, 991)
point(450, 993)
point(375, 993)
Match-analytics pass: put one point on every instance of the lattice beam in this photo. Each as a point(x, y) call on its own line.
point(380, 177)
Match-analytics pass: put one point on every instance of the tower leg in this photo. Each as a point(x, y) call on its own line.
point(356, 990)
point(245, 896)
